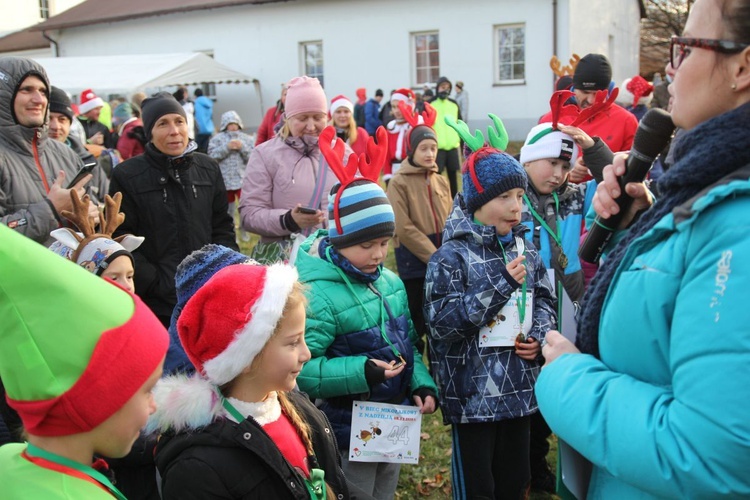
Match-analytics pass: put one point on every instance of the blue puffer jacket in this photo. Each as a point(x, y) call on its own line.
point(465, 288)
point(342, 332)
point(574, 202)
point(664, 412)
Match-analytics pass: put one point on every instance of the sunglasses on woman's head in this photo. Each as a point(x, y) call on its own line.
point(679, 47)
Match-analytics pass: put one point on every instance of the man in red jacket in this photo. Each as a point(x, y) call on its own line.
point(615, 126)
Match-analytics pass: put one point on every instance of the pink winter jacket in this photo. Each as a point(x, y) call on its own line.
point(278, 177)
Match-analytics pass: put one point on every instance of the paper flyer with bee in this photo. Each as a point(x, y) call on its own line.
point(385, 433)
point(503, 330)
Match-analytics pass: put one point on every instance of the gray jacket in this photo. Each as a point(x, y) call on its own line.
point(28, 159)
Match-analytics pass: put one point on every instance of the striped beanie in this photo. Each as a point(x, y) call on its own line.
point(364, 214)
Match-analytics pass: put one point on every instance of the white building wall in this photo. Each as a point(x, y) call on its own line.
point(19, 14)
point(365, 44)
point(616, 35)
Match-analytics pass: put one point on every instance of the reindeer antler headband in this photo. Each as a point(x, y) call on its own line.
point(368, 164)
point(498, 139)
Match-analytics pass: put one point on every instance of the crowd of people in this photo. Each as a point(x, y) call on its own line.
point(142, 355)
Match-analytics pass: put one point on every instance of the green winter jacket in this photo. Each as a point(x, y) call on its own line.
point(342, 336)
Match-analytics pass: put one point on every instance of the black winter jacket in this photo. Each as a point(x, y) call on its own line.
point(178, 205)
point(240, 461)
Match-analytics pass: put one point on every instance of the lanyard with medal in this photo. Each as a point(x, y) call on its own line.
point(562, 259)
point(36, 452)
point(520, 302)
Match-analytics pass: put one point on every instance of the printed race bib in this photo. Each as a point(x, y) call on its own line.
point(503, 330)
point(384, 433)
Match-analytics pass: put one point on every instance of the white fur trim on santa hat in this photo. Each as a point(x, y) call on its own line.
point(250, 340)
point(403, 95)
point(89, 101)
point(341, 102)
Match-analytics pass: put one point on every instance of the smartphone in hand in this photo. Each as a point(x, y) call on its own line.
point(85, 170)
point(305, 210)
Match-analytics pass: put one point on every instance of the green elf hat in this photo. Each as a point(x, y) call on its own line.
point(73, 348)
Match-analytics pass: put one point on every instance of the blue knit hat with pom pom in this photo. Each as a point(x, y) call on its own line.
point(488, 173)
point(192, 273)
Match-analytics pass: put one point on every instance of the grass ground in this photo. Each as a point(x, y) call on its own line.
point(430, 479)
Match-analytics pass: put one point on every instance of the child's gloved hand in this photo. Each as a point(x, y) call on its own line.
point(517, 269)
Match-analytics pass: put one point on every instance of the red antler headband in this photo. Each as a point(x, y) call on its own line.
point(562, 112)
point(368, 164)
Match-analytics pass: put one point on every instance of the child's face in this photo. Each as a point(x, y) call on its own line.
point(116, 435)
point(502, 211)
point(367, 256)
point(426, 153)
point(121, 272)
point(342, 117)
point(233, 127)
point(547, 175)
point(283, 356)
point(396, 112)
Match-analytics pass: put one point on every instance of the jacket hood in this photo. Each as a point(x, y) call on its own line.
point(13, 71)
point(460, 225)
point(443, 79)
point(308, 269)
point(230, 117)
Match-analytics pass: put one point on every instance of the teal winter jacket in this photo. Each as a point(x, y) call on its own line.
point(664, 412)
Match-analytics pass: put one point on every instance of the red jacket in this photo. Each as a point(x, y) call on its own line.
point(265, 131)
point(129, 146)
point(360, 145)
point(615, 126)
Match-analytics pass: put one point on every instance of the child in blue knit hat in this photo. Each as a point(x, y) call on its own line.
point(359, 329)
point(488, 305)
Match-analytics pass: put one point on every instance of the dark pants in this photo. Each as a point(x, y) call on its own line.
point(202, 141)
point(415, 296)
point(448, 159)
point(539, 446)
point(491, 460)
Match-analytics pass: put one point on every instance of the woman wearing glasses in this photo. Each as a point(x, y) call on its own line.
point(659, 400)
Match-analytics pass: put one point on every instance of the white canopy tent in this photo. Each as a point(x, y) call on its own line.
point(122, 74)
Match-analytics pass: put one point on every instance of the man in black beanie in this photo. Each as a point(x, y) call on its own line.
point(615, 126)
point(172, 195)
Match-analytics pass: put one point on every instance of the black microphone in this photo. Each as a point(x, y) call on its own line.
point(651, 138)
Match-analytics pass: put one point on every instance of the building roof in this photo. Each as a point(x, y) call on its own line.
point(23, 40)
point(107, 11)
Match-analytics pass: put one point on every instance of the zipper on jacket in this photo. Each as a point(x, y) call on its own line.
point(36, 160)
point(438, 233)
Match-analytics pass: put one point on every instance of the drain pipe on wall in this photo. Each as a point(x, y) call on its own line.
point(56, 50)
point(554, 38)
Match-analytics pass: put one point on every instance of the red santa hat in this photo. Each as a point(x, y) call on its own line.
point(340, 101)
point(405, 95)
point(89, 101)
point(228, 321)
point(636, 90)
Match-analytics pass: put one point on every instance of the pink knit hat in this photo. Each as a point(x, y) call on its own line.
point(305, 95)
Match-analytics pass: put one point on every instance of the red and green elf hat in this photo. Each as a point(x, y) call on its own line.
point(73, 348)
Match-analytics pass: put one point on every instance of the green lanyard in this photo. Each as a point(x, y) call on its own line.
point(382, 307)
point(562, 259)
point(94, 474)
point(521, 304)
point(315, 485)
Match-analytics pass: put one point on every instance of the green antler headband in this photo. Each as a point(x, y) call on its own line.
point(498, 136)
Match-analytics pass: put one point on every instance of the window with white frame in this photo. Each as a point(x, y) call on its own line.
point(426, 62)
point(510, 54)
point(44, 9)
point(311, 59)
